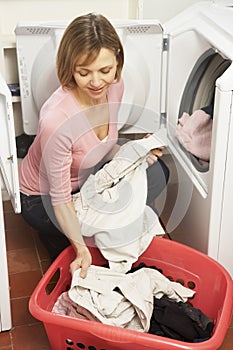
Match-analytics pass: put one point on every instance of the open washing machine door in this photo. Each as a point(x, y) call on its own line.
point(199, 39)
point(191, 58)
point(8, 155)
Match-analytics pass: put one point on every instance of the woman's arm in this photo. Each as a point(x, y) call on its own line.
point(67, 219)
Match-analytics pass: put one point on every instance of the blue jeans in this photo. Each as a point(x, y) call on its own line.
point(39, 213)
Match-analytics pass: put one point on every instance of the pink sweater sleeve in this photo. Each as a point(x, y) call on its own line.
point(56, 161)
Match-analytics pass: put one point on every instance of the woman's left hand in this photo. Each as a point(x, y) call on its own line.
point(154, 154)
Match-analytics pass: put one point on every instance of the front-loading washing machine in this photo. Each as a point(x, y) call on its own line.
point(177, 67)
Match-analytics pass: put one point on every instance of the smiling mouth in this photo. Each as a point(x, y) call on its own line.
point(96, 91)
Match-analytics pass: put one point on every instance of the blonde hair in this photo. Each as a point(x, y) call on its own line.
point(84, 37)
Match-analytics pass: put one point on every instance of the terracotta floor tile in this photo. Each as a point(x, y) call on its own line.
point(32, 337)
point(15, 221)
point(45, 265)
point(22, 284)
point(228, 341)
point(20, 312)
point(7, 207)
point(22, 260)
point(18, 239)
point(231, 325)
point(5, 339)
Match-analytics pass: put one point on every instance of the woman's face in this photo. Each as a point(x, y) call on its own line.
point(94, 79)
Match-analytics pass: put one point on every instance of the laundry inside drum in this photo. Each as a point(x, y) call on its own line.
point(199, 93)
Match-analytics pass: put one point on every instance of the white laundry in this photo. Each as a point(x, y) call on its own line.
point(124, 300)
point(111, 205)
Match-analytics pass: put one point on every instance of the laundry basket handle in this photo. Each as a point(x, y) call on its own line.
point(56, 279)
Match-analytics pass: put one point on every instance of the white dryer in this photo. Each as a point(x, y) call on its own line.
point(178, 67)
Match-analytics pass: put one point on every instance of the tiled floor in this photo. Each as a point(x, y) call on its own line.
point(27, 260)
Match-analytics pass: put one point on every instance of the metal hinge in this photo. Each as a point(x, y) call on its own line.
point(163, 119)
point(10, 158)
point(165, 44)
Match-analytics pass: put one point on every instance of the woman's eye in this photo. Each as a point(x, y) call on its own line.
point(83, 74)
point(105, 71)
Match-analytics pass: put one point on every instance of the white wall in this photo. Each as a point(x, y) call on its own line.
point(162, 10)
point(13, 11)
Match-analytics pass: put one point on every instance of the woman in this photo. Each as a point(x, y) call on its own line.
point(77, 132)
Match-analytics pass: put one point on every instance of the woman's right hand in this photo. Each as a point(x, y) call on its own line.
point(82, 261)
point(68, 220)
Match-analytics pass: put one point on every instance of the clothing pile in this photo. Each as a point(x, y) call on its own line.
point(143, 300)
point(111, 205)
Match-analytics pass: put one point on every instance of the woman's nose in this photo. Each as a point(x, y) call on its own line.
point(95, 80)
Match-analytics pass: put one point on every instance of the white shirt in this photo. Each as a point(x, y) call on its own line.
point(111, 205)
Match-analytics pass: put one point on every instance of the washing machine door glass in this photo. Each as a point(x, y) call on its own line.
point(8, 157)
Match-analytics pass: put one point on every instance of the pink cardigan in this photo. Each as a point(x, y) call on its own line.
point(66, 148)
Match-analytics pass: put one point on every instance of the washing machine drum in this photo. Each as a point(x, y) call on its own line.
point(200, 88)
point(199, 91)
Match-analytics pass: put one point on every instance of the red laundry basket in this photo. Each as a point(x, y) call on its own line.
point(214, 296)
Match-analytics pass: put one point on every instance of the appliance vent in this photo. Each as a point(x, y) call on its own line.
point(38, 30)
point(143, 29)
